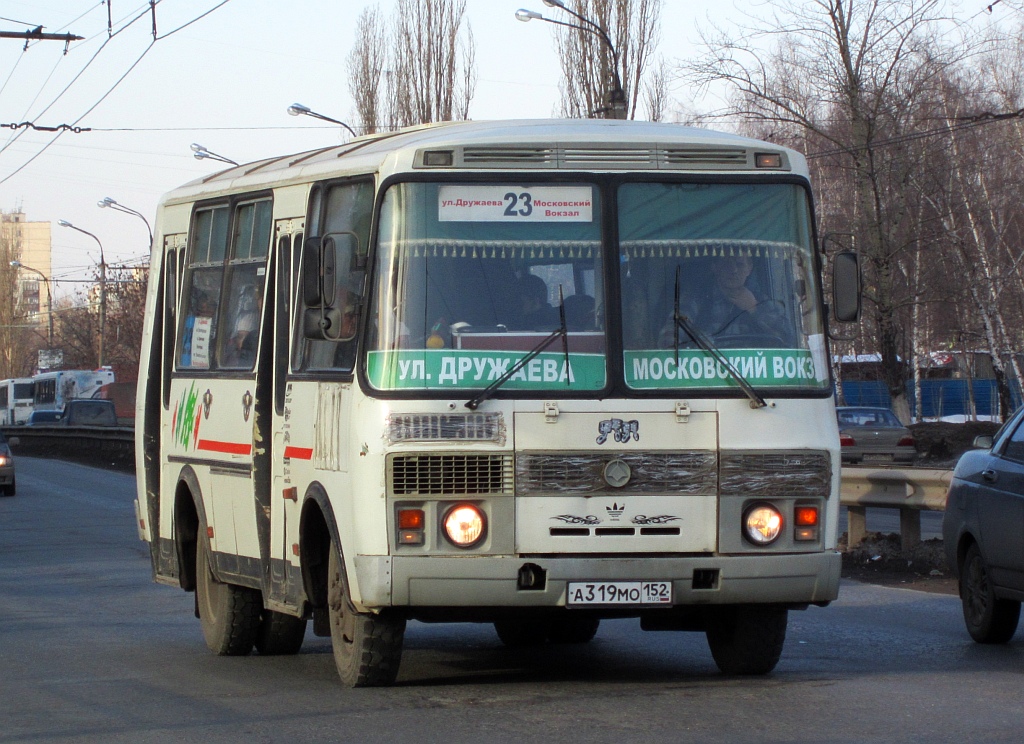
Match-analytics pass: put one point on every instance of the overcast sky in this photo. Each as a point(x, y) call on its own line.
point(225, 82)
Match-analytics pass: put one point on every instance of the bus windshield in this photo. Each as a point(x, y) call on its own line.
point(470, 277)
point(735, 262)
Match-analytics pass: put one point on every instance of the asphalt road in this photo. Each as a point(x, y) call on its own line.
point(92, 651)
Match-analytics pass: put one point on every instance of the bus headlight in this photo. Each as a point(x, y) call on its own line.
point(762, 524)
point(465, 525)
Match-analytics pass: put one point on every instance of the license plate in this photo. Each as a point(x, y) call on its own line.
point(877, 458)
point(619, 593)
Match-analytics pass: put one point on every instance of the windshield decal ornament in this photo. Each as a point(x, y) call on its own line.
point(621, 430)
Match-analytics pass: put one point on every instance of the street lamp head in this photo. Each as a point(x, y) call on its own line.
point(64, 223)
point(201, 153)
point(16, 264)
point(555, 4)
point(526, 16)
point(297, 109)
point(105, 202)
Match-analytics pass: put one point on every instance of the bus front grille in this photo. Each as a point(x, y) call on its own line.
point(678, 472)
point(806, 473)
point(450, 474)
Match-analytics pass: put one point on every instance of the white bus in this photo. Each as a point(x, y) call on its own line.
point(535, 374)
point(52, 390)
point(15, 401)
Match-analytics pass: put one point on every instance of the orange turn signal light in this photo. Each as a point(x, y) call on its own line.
point(806, 516)
point(411, 519)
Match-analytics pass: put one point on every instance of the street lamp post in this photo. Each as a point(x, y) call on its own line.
point(106, 202)
point(49, 297)
point(103, 285)
point(297, 109)
point(616, 105)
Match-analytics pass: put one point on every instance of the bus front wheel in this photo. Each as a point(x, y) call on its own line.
point(229, 614)
point(367, 647)
point(747, 639)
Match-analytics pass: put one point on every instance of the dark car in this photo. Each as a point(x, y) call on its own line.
point(43, 418)
point(7, 481)
point(983, 532)
point(89, 412)
point(874, 435)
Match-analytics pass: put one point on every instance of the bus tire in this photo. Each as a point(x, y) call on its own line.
point(280, 634)
point(521, 633)
point(747, 639)
point(367, 647)
point(573, 629)
point(228, 614)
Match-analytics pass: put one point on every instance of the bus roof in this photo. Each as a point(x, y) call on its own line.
point(538, 144)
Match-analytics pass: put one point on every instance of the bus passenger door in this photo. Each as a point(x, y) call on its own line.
point(214, 390)
point(285, 576)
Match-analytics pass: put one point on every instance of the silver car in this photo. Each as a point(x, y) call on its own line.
point(874, 435)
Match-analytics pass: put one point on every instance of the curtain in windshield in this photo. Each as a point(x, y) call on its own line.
point(731, 262)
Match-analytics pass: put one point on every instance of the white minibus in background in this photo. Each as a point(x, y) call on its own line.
point(52, 390)
point(15, 401)
point(532, 373)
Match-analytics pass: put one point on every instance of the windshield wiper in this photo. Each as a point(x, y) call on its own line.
point(681, 321)
point(562, 331)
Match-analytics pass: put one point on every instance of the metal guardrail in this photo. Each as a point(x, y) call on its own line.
point(108, 446)
point(911, 490)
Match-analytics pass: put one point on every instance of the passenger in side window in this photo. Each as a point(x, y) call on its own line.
point(242, 346)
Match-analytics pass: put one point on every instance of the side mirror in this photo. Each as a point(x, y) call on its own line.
point(330, 265)
point(983, 441)
point(846, 292)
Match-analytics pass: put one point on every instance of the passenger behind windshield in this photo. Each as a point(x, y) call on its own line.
point(727, 309)
point(535, 312)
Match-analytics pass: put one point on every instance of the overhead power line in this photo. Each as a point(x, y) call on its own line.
point(60, 131)
point(40, 128)
point(964, 123)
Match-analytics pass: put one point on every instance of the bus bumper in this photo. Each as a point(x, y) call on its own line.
point(492, 581)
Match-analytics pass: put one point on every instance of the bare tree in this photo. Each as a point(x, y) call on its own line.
point(425, 59)
point(632, 26)
point(845, 77)
point(366, 65)
point(656, 93)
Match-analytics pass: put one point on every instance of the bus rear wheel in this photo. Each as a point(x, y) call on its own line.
point(518, 633)
point(573, 629)
point(747, 639)
point(280, 634)
point(367, 647)
point(229, 614)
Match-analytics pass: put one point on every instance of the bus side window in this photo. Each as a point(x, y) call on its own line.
point(201, 293)
point(243, 301)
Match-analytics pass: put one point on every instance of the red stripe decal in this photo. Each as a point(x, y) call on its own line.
point(228, 448)
point(299, 453)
